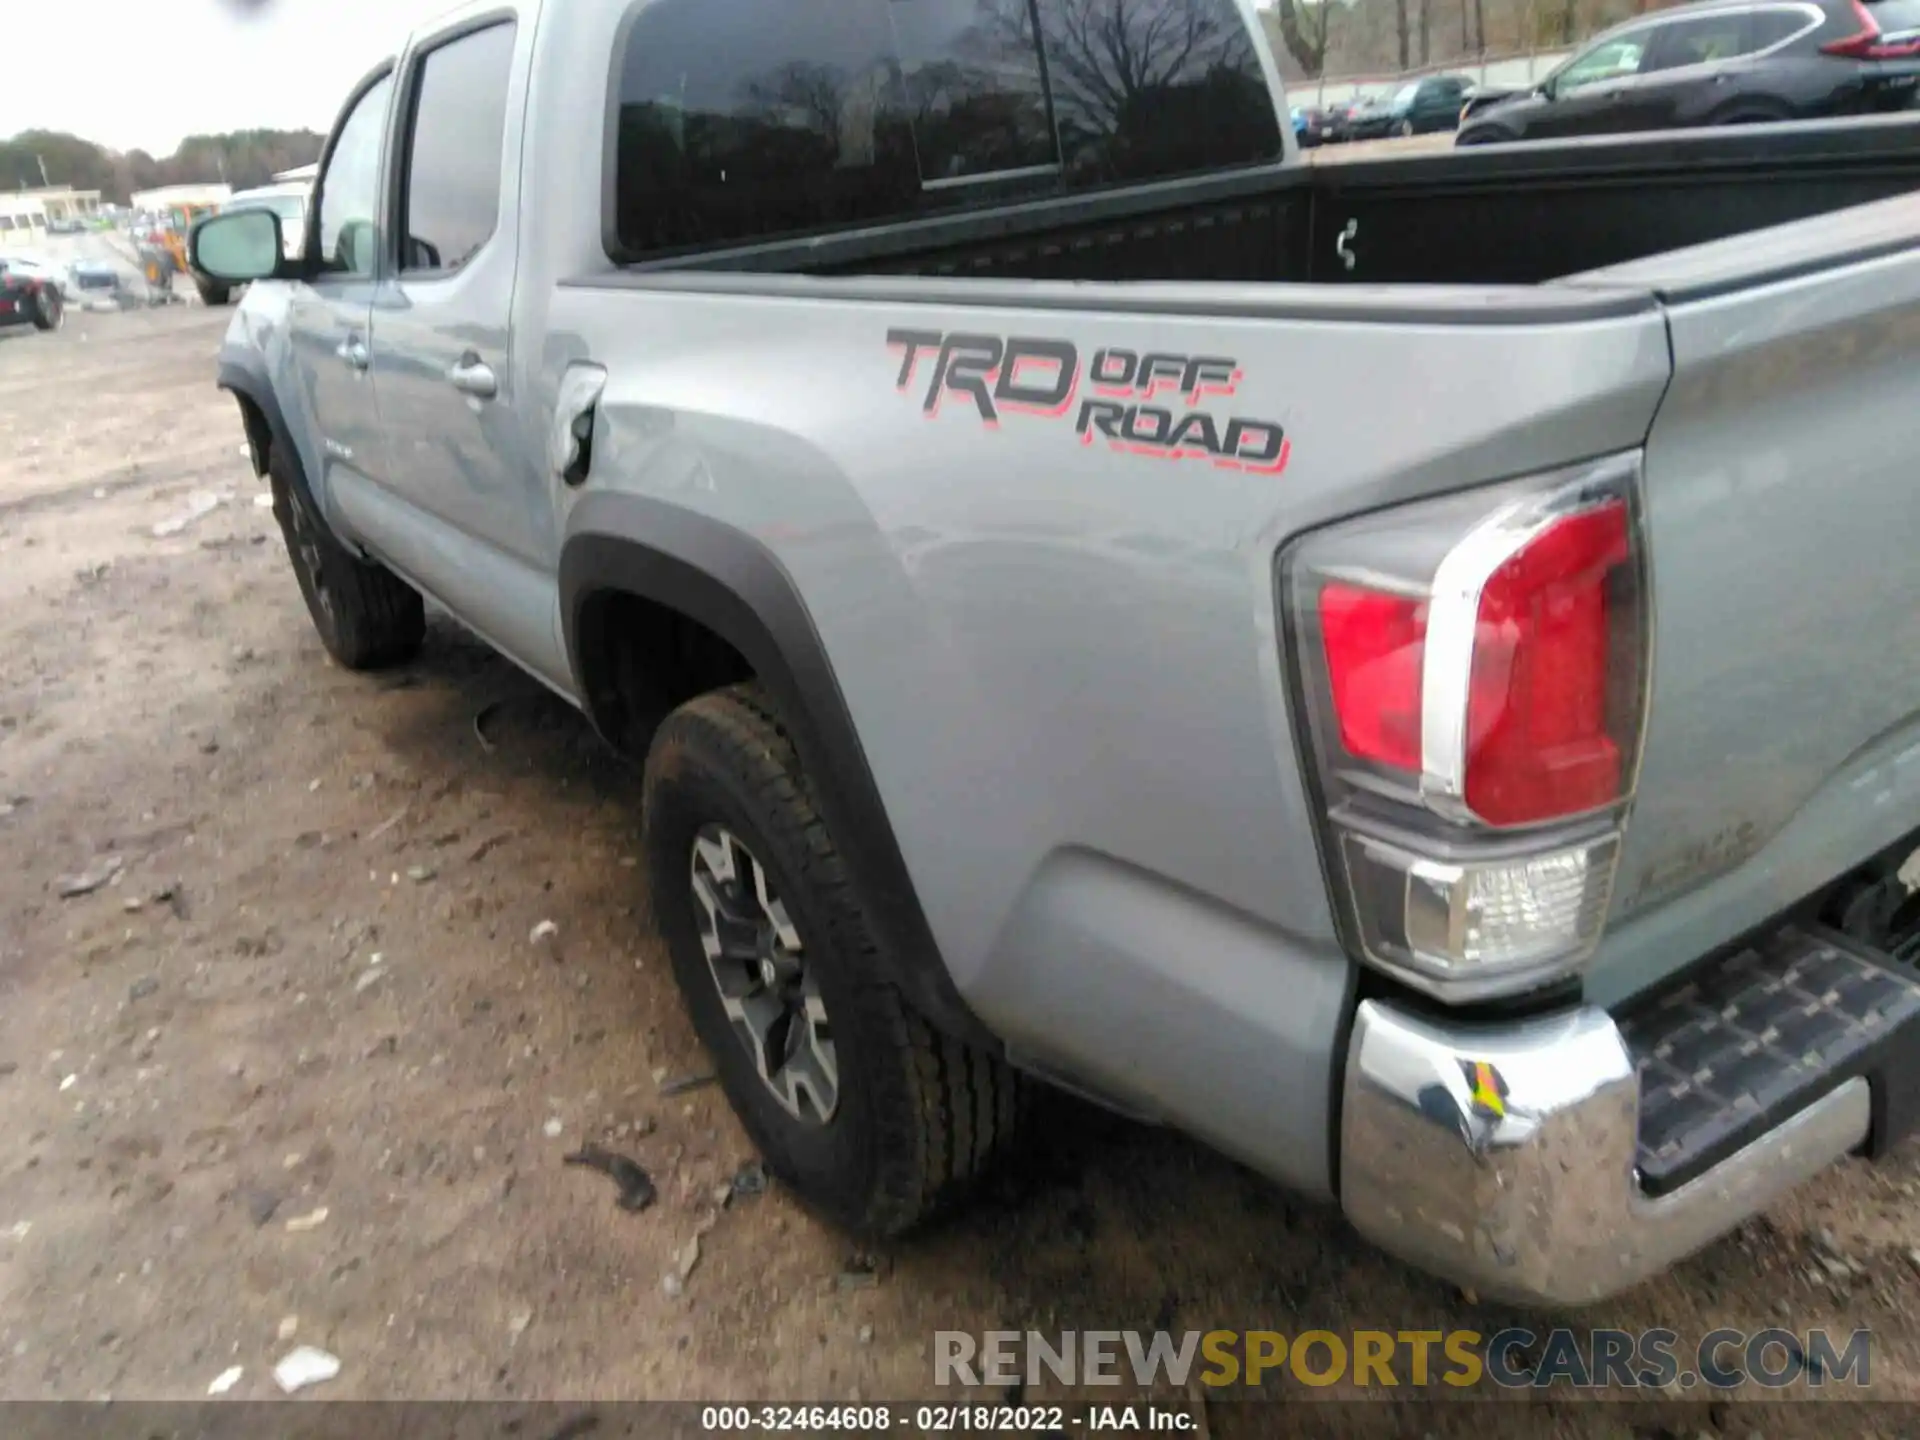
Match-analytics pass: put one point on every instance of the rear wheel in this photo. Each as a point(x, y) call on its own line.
point(1405, 129)
point(49, 310)
point(868, 1112)
point(367, 617)
point(1753, 114)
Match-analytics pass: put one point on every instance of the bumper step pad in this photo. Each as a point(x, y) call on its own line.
point(1755, 1037)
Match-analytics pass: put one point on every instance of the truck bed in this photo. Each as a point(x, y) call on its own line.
point(1502, 215)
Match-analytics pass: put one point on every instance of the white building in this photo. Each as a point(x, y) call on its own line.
point(300, 174)
point(32, 209)
point(168, 196)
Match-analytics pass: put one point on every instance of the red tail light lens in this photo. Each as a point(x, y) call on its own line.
point(1374, 647)
point(1537, 740)
point(1538, 745)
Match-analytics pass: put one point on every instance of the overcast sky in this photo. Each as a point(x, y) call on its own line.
point(193, 66)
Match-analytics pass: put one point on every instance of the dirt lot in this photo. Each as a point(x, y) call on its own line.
point(299, 1071)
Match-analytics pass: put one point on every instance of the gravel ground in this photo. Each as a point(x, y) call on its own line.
point(298, 1073)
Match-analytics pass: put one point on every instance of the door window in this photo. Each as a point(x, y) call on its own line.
point(350, 186)
point(454, 146)
point(1767, 28)
point(1701, 41)
point(1609, 60)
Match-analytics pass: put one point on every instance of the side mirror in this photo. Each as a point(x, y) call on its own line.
point(1546, 88)
point(355, 247)
point(237, 247)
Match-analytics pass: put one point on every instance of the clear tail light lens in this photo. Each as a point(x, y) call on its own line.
point(1473, 672)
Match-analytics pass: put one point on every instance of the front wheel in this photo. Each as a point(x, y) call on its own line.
point(868, 1112)
point(49, 310)
point(1405, 129)
point(368, 618)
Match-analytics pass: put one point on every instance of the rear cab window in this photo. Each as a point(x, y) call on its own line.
point(743, 120)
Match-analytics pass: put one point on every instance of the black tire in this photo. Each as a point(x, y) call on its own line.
point(212, 292)
point(1752, 115)
point(1480, 137)
point(367, 617)
point(918, 1115)
point(49, 310)
point(1405, 130)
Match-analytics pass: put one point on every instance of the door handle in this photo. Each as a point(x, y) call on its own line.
point(1344, 240)
point(354, 351)
point(473, 376)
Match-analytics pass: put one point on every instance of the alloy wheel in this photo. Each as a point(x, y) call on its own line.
point(759, 966)
point(306, 551)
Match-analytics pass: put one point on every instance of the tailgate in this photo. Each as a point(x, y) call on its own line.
point(1783, 740)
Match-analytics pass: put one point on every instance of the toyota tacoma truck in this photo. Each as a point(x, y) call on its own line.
point(1401, 670)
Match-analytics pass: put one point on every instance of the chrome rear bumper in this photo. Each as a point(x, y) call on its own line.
point(1503, 1156)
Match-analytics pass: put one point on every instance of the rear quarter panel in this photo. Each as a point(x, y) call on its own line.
point(1783, 742)
point(1063, 659)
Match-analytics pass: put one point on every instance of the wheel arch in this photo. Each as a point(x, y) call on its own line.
point(260, 412)
point(628, 551)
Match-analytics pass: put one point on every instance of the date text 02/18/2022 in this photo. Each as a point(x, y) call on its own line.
point(1036, 1420)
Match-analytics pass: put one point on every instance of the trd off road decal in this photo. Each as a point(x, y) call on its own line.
point(1147, 404)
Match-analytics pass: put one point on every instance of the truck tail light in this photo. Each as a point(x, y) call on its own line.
point(1473, 671)
point(1869, 43)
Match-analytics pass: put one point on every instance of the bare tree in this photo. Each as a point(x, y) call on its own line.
point(1306, 27)
point(815, 92)
point(1306, 31)
point(1104, 55)
point(1400, 30)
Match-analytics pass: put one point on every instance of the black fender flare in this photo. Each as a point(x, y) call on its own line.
point(729, 582)
point(243, 383)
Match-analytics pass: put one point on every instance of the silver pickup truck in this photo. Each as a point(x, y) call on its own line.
point(1402, 670)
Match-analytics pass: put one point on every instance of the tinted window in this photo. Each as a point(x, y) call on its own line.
point(350, 194)
point(973, 86)
point(1698, 42)
point(740, 118)
point(1609, 60)
point(1149, 88)
point(745, 119)
point(453, 144)
point(1766, 28)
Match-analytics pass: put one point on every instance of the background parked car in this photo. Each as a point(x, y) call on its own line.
point(27, 300)
point(1716, 63)
point(39, 269)
point(1430, 103)
point(1309, 126)
point(1341, 117)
